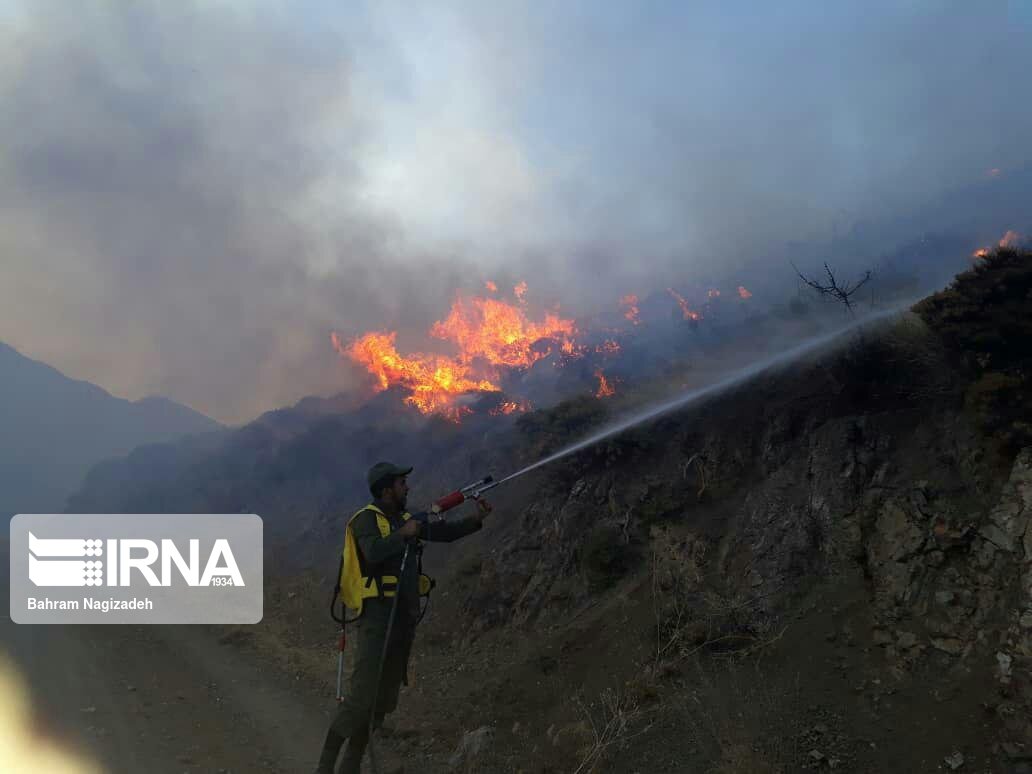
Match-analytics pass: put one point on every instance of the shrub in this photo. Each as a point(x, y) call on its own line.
point(993, 401)
point(983, 319)
point(606, 556)
point(547, 430)
point(983, 315)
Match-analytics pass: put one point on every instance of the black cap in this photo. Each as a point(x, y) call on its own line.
point(384, 470)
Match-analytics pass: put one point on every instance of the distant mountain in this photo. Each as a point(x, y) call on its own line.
point(54, 429)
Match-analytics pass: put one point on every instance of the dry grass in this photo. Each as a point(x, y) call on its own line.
point(612, 721)
point(724, 618)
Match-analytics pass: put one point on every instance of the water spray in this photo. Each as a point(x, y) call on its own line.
point(735, 379)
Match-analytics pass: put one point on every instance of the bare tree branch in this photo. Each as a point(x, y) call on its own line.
point(842, 293)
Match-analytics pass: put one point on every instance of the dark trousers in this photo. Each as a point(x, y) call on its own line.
point(351, 720)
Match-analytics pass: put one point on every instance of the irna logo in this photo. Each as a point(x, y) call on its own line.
point(120, 561)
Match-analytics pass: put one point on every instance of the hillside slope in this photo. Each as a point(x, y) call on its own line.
point(56, 428)
point(830, 568)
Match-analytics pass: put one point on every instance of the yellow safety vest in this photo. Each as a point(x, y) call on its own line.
point(355, 587)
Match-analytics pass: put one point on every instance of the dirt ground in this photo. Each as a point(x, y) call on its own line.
point(201, 699)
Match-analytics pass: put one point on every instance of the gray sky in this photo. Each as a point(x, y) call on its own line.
point(193, 195)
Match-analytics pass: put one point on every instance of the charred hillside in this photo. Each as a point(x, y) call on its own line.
point(830, 567)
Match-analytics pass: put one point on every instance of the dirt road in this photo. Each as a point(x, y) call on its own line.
point(162, 699)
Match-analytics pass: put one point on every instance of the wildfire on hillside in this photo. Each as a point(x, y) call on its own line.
point(490, 337)
point(486, 340)
point(630, 307)
point(1010, 239)
point(510, 407)
point(433, 380)
point(686, 311)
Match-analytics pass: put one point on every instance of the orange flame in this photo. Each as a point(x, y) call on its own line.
point(630, 301)
point(743, 293)
point(500, 333)
point(491, 286)
point(434, 380)
point(490, 335)
point(520, 291)
point(510, 407)
point(608, 347)
point(686, 311)
point(605, 389)
point(1010, 239)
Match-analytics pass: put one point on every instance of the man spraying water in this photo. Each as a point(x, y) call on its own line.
point(380, 580)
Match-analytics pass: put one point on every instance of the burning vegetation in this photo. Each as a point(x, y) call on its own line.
point(488, 339)
point(1011, 239)
point(686, 311)
point(629, 304)
point(490, 336)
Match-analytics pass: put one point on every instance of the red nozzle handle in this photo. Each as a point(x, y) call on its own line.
point(448, 502)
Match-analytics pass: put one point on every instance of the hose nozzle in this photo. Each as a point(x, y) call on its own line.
point(468, 492)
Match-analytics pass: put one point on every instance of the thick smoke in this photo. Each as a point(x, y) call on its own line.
point(193, 195)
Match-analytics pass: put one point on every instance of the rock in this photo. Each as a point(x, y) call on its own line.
point(944, 597)
point(997, 537)
point(1026, 620)
point(472, 746)
point(901, 537)
point(985, 554)
point(1015, 752)
point(816, 755)
point(906, 640)
point(950, 645)
point(881, 637)
point(1003, 660)
point(954, 761)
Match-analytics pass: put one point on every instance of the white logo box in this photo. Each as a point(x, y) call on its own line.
point(136, 568)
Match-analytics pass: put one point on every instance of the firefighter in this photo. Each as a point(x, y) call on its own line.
point(377, 536)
